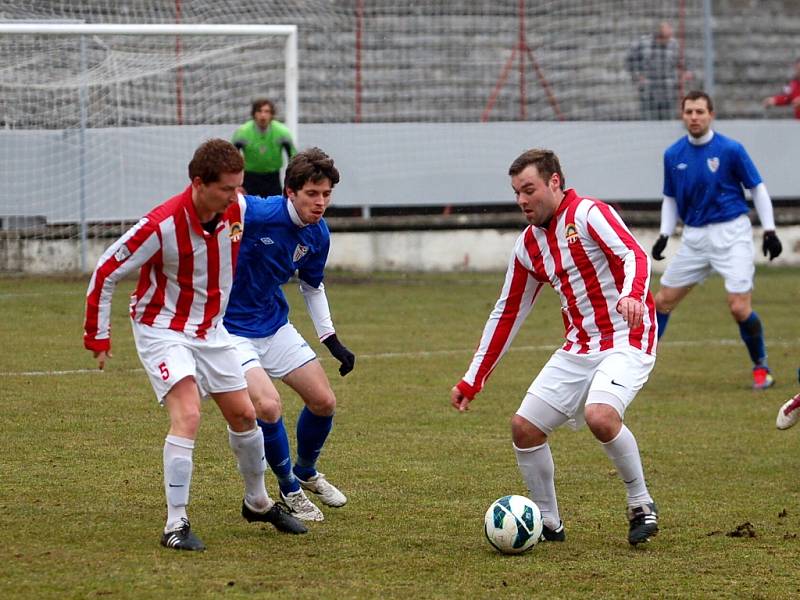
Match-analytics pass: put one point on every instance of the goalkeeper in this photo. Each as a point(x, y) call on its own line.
point(263, 141)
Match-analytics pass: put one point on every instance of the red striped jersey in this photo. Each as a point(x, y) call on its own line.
point(592, 260)
point(185, 272)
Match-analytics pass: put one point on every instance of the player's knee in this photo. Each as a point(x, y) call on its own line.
point(186, 422)
point(663, 302)
point(525, 434)
point(242, 420)
point(603, 420)
point(322, 404)
point(268, 407)
point(740, 308)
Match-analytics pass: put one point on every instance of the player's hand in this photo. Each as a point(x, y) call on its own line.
point(340, 353)
point(240, 144)
point(632, 311)
point(458, 400)
point(658, 247)
point(769, 101)
point(796, 101)
point(102, 357)
point(772, 246)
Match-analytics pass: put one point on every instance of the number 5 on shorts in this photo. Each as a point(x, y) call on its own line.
point(164, 371)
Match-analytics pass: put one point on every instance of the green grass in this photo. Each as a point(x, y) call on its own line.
point(81, 498)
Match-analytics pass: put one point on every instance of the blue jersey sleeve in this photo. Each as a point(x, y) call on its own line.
point(745, 169)
point(669, 184)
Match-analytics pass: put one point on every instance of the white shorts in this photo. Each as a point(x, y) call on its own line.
point(566, 381)
point(278, 354)
point(169, 356)
point(726, 248)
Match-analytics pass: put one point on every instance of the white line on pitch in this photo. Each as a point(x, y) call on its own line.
point(415, 354)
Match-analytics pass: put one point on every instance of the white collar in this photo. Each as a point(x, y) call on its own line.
point(293, 214)
point(704, 139)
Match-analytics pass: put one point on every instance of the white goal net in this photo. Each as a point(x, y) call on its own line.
point(97, 121)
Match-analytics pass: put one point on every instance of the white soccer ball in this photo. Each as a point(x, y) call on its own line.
point(513, 524)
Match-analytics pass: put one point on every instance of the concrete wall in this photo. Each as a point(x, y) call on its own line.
point(472, 250)
point(129, 170)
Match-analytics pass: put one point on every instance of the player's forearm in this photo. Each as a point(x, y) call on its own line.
point(763, 204)
point(669, 215)
point(318, 309)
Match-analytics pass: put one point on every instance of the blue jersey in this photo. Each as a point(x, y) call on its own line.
point(706, 180)
point(272, 249)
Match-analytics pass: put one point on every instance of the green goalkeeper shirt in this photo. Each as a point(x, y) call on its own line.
point(263, 150)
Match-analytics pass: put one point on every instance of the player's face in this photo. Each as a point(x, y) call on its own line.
point(311, 200)
point(214, 198)
point(697, 117)
point(263, 116)
point(537, 198)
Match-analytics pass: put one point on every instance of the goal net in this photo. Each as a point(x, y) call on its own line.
point(98, 122)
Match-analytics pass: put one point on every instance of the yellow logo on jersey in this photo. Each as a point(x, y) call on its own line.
point(237, 231)
point(571, 233)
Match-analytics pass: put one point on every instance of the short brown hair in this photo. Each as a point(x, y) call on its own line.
point(213, 158)
point(311, 165)
point(258, 103)
point(698, 95)
point(545, 161)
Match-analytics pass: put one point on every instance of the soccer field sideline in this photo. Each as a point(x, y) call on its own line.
point(414, 354)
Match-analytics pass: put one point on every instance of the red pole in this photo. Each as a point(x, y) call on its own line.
point(359, 23)
point(179, 70)
point(551, 98)
point(522, 45)
point(498, 86)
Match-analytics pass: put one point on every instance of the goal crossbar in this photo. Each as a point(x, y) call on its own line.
point(289, 31)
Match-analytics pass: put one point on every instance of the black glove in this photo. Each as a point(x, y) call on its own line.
point(240, 144)
point(340, 353)
point(772, 245)
point(658, 247)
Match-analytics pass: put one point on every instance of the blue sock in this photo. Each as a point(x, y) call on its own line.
point(753, 336)
point(662, 319)
point(276, 449)
point(312, 431)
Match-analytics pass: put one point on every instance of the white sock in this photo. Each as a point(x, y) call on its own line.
point(538, 472)
point(177, 478)
point(624, 453)
point(248, 446)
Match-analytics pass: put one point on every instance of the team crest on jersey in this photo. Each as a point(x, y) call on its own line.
point(299, 252)
point(236, 232)
point(713, 164)
point(571, 233)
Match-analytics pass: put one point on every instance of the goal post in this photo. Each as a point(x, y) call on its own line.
point(98, 121)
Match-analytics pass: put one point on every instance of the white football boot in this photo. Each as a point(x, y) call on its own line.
point(326, 491)
point(301, 507)
point(789, 413)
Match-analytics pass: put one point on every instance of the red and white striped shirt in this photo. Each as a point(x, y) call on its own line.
point(592, 260)
point(186, 272)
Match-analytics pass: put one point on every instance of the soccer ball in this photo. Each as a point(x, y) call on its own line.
point(513, 524)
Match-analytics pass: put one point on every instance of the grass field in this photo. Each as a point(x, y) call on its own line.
point(81, 498)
